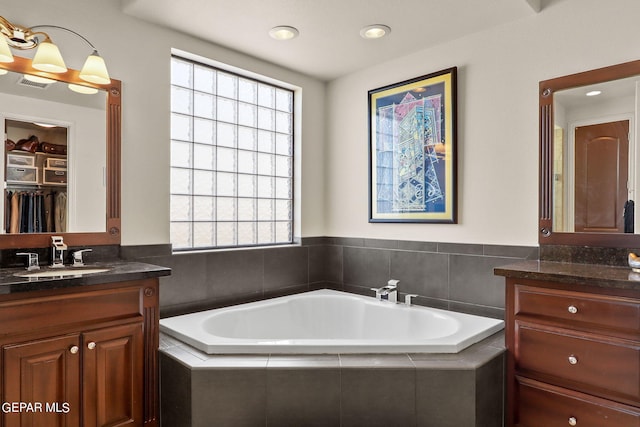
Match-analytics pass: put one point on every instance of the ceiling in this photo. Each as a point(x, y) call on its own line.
point(329, 44)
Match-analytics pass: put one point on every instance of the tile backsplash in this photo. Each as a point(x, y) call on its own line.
point(444, 275)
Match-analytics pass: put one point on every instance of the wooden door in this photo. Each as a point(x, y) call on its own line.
point(601, 171)
point(113, 376)
point(46, 375)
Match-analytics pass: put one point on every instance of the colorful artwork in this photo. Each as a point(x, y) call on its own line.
point(412, 150)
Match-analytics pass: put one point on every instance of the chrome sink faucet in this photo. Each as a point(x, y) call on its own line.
point(32, 263)
point(388, 292)
point(77, 257)
point(57, 252)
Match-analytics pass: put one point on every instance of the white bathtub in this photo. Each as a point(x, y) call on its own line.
point(327, 321)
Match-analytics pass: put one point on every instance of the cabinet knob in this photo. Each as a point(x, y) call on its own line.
point(91, 345)
point(573, 360)
point(573, 421)
point(74, 349)
point(572, 309)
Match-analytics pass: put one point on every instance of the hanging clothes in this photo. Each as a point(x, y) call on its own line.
point(15, 213)
point(60, 212)
point(35, 212)
point(628, 216)
point(48, 211)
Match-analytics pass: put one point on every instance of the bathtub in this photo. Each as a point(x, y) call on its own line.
point(327, 321)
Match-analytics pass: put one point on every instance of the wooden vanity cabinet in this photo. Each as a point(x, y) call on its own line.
point(81, 357)
point(573, 355)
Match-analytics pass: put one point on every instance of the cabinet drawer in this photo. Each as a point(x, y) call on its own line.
point(576, 307)
point(31, 314)
point(54, 162)
point(22, 174)
point(55, 176)
point(597, 365)
point(20, 160)
point(543, 405)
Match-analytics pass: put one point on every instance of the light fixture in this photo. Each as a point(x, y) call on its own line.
point(85, 90)
point(47, 57)
point(38, 79)
point(45, 125)
point(374, 31)
point(594, 93)
point(283, 32)
point(5, 52)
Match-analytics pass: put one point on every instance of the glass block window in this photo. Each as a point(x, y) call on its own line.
point(231, 159)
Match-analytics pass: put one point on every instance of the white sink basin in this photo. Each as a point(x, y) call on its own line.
point(63, 272)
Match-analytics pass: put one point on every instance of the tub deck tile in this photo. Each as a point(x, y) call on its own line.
point(300, 361)
point(378, 361)
point(234, 361)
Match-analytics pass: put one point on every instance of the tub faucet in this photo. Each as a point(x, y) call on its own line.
point(57, 252)
point(408, 298)
point(388, 292)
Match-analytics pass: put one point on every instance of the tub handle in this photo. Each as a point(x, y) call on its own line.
point(408, 297)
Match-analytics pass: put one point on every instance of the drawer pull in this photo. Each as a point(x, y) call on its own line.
point(573, 421)
point(573, 360)
point(572, 309)
point(91, 345)
point(74, 349)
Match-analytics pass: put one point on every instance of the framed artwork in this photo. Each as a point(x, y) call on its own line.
point(412, 150)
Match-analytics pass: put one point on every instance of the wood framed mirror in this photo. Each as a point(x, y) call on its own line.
point(108, 172)
point(589, 178)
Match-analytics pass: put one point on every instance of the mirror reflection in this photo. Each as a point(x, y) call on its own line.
point(595, 158)
point(54, 157)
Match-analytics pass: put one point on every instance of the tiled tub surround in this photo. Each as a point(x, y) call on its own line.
point(325, 390)
point(451, 276)
point(463, 389)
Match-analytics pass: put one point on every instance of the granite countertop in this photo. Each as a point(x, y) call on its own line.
point(573, 273)
point(117, 271)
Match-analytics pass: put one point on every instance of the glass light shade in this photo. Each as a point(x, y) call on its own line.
point(48, 58)
point(5, 52)
point(38, 79)
point(85, 90)
point(95, 70)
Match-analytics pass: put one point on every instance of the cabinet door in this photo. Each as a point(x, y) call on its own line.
point(42, 383)
point(113, 376)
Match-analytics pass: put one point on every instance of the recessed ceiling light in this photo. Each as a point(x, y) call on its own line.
point(594, 93)
point(375, 31)
point(283, 32)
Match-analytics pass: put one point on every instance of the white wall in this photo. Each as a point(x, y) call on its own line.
point(498, 75)
point(138, 54)
point(499, 71)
